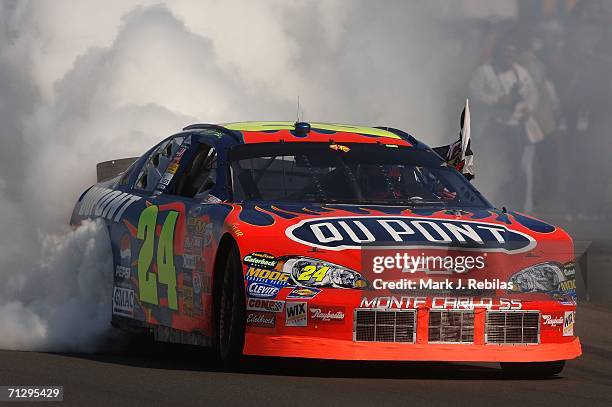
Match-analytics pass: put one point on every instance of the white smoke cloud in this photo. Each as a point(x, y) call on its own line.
point(63, 301)
point(83, 82)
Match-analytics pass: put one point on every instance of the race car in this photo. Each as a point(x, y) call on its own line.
point(298, 240)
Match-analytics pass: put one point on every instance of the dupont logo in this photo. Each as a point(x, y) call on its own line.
point(262, 290)
point(340, 233)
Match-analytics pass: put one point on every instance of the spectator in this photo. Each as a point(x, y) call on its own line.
point(507, 96)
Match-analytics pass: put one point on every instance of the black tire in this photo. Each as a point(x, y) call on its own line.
point(532, 369)
point(140, 344)
point(231, 312)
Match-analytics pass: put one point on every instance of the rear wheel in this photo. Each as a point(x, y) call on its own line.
point(231, 311)
point(532, 369)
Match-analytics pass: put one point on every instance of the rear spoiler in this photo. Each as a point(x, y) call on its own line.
point(110, 169)
point(459, 154)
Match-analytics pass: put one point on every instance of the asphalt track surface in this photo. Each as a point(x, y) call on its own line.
point(177, 376)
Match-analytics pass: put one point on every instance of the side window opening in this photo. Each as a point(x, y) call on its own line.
point(155, 166)
point(200, 174)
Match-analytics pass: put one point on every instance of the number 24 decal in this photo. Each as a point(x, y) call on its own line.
point(166, 274)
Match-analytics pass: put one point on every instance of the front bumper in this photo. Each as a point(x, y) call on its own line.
point(337, 338)
point(321, 348)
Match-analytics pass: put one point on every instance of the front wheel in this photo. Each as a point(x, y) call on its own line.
point(532, 369)
point(231, 318)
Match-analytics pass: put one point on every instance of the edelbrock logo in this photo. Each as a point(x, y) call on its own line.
point(338, 233)
point(261, 290)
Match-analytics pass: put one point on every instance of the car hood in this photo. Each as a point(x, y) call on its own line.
point(339, 232)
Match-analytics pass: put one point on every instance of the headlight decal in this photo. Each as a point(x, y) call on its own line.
point(549, 277)
point(311, 272)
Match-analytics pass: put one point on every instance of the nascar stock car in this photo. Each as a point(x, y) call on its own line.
point(259, 238)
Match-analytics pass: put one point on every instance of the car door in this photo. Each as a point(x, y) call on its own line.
point(149, 242)
point(187, 194)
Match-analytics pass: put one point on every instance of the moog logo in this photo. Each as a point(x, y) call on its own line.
point(340, 233)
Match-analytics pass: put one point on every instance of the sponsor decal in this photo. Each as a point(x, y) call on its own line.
point(261, 319)
point(197, 225)
point(106, 203)
point(262, 290)
point(188, 295)
point(236, 230)
point(262, 304)
point(551, 320)
point(188, 303)
point(340, 147)
point(567, 286)
point(338, 233)
point(303, 292)
point(263, 260)
point(569, 269)
point(206, 283)
point(296, 314)
point(259, 275)
point(123, 301)
point(125, 249)
point(193, 243)
point(568, 323)
point(327, 314)
point(197, 282)
point(208, 234)
point(172, 168)
point(189, 261)
point(122, 272)
point(187, 278)
point(165, 180)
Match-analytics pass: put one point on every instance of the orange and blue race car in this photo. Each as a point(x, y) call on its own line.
point(314, 240)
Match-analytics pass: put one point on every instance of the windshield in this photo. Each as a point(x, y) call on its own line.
point(349, 173)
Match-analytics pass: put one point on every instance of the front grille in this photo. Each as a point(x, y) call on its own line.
point(385, 325)
point(512, 327)
point(451, 326)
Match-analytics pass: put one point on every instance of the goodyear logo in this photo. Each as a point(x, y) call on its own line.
point(340, 233)
point(266, 276)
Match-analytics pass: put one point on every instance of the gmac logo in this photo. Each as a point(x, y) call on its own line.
point(340, 233)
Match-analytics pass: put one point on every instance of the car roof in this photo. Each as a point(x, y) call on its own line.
point(274, 132)
point(265, 132)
